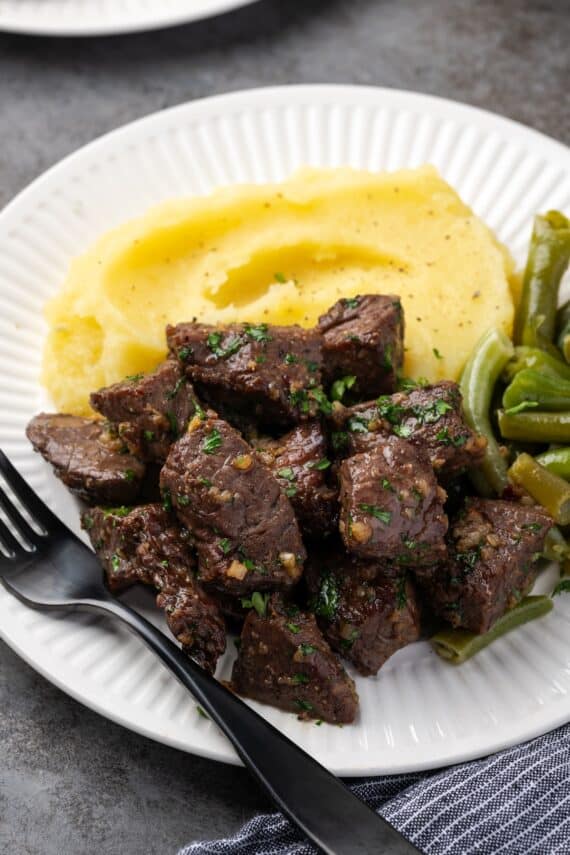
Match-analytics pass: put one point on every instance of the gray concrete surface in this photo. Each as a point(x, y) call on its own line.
point(72, 783)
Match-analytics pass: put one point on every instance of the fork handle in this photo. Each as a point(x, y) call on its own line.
point(319, 804)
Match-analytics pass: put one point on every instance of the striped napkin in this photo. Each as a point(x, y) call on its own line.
point(513, 803)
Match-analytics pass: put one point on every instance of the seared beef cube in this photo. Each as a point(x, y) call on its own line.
point(363, 337)
point(147, 545)
point(152, 410)
point(299, 462)
point(283, 660)
point(493, 551)
point(245, 531)
point(88, 457)
point(269, 372)
point(429, 417)
point(365, 619)
point(392, 506)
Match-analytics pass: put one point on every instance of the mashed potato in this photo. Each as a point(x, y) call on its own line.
point(283, 254)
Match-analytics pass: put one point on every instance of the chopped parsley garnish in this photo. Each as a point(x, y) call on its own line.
point(403, 431)
point(298, 679)
point(387, 485)
point(339, 440)
point(321, 464)
point(387, 358)
point(445, 438)
point(407, 384)
point(352, 302)
point(376, 512)
point(325, 405)
point(121, 511)
point(149, 435)
point(401, 594)
point(258, 332)
point(232, 346)
point(185, 353)
point(202, 713)
point(307, 649)
point(88, 522)
point(287, 473)
point(389, 410)
point(357, 424)
point(290, 359)
point(312, 366)
point(290, 492)
point(304, 705)
point(347, 643)
point(520, 408)
point(129, 475)
point(562, 587)
point(341, 386)
point(173, 422)
point(294, 628)
point(258, 602)
point(212, 442)
point(469, 558)
point(205, 482)
point(183, 501)
point(174, 392)
point(436, 353)
point(200, 411)
point(534, 527)
point(261, 359)
point(280, 277)
point(134, 378)
point(325, 604)
point(115, 562)
point(225, 545)
point(299, 399)
point(167, 500)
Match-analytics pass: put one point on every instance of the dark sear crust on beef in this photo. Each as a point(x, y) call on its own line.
point(363, 337)
point(429, 417)
point(151, 410)
point(392, 505)
point(284, 660)
point(270, 372)
point(88, 457)
point(147, 545)
point(365, 619)
point(493, 550)
point(299, 460)
point(244, 528)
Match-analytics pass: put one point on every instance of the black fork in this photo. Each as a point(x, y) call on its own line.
point(55, 570)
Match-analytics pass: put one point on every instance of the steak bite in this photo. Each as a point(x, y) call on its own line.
point(430, 417)
point(284, 660)
point(493, 549)
point(245, 531)
point(365, 615)
point(299, 462)
point(147, 545)
point(363, 337)
point(151, 410)
point(270, 372)
point(392, 506)
point(89, 457)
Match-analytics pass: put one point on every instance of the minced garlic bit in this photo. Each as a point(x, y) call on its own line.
point(289, 562)
point(237, 570)
point(361, 532)
point(194, 424)
point(243, 462)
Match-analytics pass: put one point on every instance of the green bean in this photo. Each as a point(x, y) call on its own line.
point(532, 389)
point(556, 460)
point(548, 256)
point(538, 360)
point(563, 330)
point(534, 426)
point(480, 374)
point(556, 547)
point(550, 491)
point(458, 645)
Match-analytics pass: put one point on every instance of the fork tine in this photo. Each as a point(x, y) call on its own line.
point(9, 541)
point(30, 500)
point(16, 518)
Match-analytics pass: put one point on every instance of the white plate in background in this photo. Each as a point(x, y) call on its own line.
point(105, 17)
point(419, 712)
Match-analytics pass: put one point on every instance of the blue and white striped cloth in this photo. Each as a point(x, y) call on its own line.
point(513, 803)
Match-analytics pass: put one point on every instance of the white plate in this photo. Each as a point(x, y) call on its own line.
point(105, 17)
point(418, 712)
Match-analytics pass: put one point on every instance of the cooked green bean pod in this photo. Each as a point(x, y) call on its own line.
point(458, 645)
point(531, 389)
point(556, 460)
point(548, 489)
point(556, 547)
point(548, 256)
point(480, 374)
point(534, 426)
point(563, 330)
point(538, 360)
